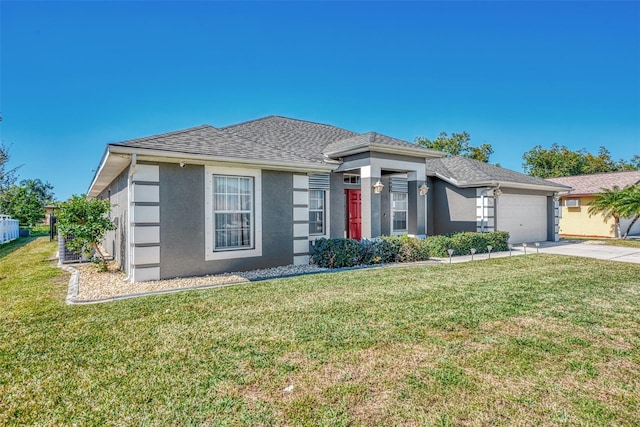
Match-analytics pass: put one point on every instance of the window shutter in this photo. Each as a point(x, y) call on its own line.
point(319, 181)
point(399, 185)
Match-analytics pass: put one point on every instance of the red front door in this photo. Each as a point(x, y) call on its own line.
point(354, 214)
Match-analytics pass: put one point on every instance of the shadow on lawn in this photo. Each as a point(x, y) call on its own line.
point(7, 248)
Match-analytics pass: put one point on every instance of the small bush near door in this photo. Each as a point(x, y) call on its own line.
point(339, 253)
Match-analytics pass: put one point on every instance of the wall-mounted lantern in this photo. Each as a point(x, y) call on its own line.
point(423, 190)
point(497, 192)
point(377, 187)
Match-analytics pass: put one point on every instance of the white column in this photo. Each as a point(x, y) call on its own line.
point(144, 238)
point(300, 219)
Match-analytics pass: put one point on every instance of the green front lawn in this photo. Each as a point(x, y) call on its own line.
point(526, 340)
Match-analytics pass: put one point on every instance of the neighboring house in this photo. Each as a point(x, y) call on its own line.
point(576, 220)
point(256, 194)
point(468, 195)
point(49, 211)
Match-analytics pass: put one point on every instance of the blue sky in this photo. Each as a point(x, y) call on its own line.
point(78, 75)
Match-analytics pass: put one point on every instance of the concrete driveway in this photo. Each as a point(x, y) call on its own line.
point(590, 249)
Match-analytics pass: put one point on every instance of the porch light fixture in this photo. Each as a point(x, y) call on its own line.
point(497, 192)
point(377, 187)
point(423, 190)
point(556, 196)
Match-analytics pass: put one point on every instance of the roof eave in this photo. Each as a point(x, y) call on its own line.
point(573, 195)
point(111, 165)
point(423, 153)
point(495, 183)
point(176, 157)
point(518, 185)
point(118, 157)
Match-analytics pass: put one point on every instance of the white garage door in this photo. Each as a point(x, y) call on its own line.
point(524, 217)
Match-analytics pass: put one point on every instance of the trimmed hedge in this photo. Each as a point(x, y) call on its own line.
point(461, 243)
point(339, 253)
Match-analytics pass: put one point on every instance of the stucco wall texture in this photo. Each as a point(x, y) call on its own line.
point(182, 230)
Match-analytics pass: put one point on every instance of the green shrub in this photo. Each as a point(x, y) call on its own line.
point(388, 248)
point(412, 249)
point(461, 243)
point(338, 253)
point(499, 240)
point(438, 245)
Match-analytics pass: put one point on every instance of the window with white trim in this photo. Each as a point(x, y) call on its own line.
point(399, 212)
point(233, 212)
point(225, 217)
point(351, 179)
point(316, 212)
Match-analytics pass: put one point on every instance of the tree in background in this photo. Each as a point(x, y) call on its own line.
point(608, 204)
point(87, 221)
point(7, 177)
point(560, 161)
point(457, 145)
point(26, 201)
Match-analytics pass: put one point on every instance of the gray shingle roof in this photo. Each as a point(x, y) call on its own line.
point(207, 140)
point(367, 139)
point(466, 172)
point(272, 138)
point(591, 184)
point(300, 137)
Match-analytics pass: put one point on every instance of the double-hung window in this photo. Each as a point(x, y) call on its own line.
point(316, 212)
point(318, 204)
point(233, 212)
point(399, 212)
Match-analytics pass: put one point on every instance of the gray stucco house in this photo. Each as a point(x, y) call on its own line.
point(209, 200)
point(468, 195)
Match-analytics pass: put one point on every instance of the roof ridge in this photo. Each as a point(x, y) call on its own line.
point(375, 134)
point(287, 118)
point(248, 121)
point(164, 134)
point(476, 164)
point(314, 123)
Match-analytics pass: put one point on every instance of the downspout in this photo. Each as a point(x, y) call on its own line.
point(132, 169)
